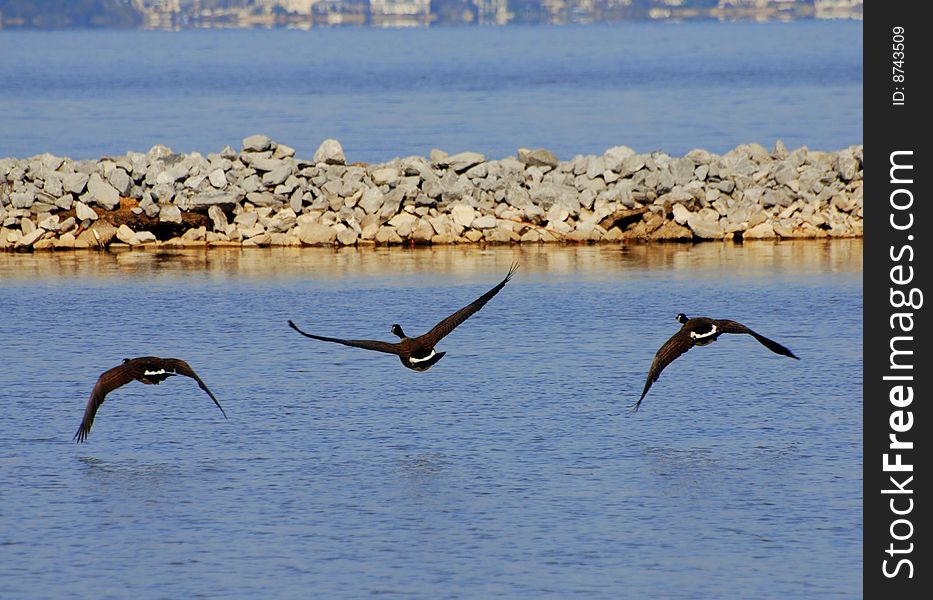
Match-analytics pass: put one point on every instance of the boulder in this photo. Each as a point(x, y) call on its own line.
point(464, 160)
point(256, 143)
point(759, 231)
point(538, 157)
point(102, 192)
point(462, 215)
point(330, 152)
point(83, 211)
point(169, 213)
point(316, 234)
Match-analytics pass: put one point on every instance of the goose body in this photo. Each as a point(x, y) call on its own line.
point(700, 331)
point(418, 353)
point(150, 370)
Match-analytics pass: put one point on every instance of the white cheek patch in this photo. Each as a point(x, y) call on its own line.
point(428, 357)
point(699, 336)
point(159, 372)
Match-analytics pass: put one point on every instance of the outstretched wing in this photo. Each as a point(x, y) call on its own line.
point(366, 344)
point(439, 331)
point(727, 326)
point(182, 368)
point(109, 380)
point(679, 343)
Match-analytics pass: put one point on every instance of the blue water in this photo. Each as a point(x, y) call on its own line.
point(388, 93)
point(511, 469)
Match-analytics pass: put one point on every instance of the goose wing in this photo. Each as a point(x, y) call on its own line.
point(679, 343)
point(179, 366)
point(108, 381)
point(727, 326)
point(442, 329)
point(365, 344)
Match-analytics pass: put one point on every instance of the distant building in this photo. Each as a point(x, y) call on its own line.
point(492, 12)
point(340, 12)
point(399, 13)
point(839, 9)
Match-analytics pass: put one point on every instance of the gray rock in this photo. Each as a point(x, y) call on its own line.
point(75, 182)
point(773, 197)
point(264, 199)
point(703, 227)
point(246, 219)
point(330, 152)
point(264, 163)
point(316, 234)
point(218, 217)
point(67, 225)
point(537, 157)
point(207, 199)
point(682, 170)
point(548, 194)
point(347, 237)
point(681, 214)
point(438, 158)
point(276, 176)
point(387, 235)
point(484, 222)
point(49, 223)
point(172, 174)
point(594, 167)
point(149, 206)
point(28, 239)
point(127, 235)
point(760, 231)
point(464, 160)
point(23, 199)
point(84, 212)
point(256, 143)
point(462, 215)
point(120, 180)
point(218, 178)
point(53, 185)
point(385, 176)
point(371, 200)
point(169, 213)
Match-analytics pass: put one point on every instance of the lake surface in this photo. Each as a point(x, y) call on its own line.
point(513, 468)
point(398, 92)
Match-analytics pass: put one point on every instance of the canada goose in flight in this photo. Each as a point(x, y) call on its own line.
point(418, 353)
point(700, 331)
point(145, 369)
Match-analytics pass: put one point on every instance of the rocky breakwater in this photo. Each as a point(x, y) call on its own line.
point(264, 195)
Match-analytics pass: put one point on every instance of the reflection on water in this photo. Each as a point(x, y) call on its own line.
point(513, 468)
point(799, 256)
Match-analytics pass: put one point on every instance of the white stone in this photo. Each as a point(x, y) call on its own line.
point(464, 160)
point(316, 234)
point(127, 235)
point(462, 214)
point(256, 143)
point(103, 193)
point(385, 176)
point(681, 214)
point(218, 178)
point(347, 237)
point(83, 211)
point(330, 152)
point(169, 213)
point(484, 222)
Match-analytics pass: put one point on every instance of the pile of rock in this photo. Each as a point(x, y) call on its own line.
point(264, 195)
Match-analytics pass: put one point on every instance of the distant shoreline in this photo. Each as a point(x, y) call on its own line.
point(406, 13)
point(263, 195)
